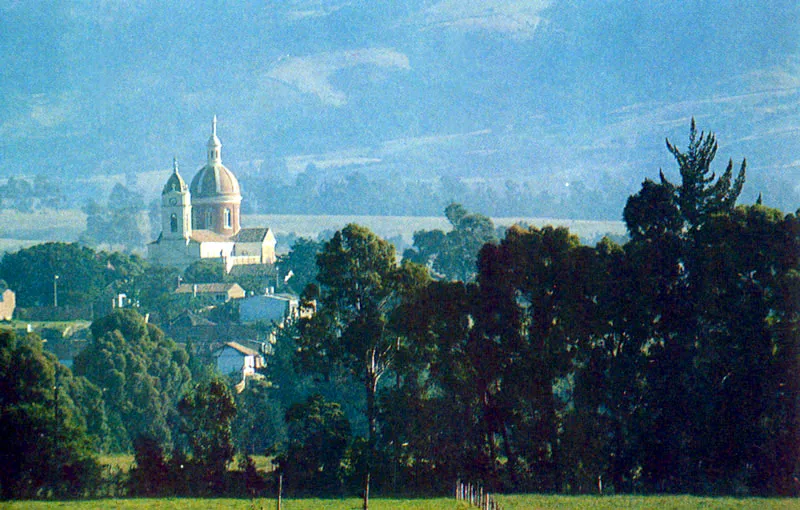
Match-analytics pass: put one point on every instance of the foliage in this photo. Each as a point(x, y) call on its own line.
point(662, 365)
point(31, 272)
point(254, 279)
point(318, 434)
point(206, 271)
point(452, 255)
point(206, 414)
point(257, 427)
point(45, 452)
point(360, 287)
point(122, 222)
point(142, 374)
point(302, 262)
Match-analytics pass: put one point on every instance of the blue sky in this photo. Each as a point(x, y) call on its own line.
point(552, 92)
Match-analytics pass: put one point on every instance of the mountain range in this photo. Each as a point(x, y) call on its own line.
point(550, 93)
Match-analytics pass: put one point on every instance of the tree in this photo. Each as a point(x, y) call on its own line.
point(434, 417)
point(302, 262)
point(360, 287)
point(206, 412)
point(142, 373)
point(539, 293)
point(206, 271)
point(31, 271)
point(257, 427)
point(319, 435)
point(698, 196)
point(452, 255)
point(45, 451)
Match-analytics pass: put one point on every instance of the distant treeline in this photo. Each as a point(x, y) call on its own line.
point(356, 193)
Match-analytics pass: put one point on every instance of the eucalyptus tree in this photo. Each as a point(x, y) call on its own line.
point(360, 287)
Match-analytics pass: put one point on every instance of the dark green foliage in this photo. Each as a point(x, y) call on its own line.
point(206, 271)
point(319, 434)
point(360, 286)
point(149, 476)
point(302, 262)
point(45, 451)
point(30, 273)
point(254, 279)
point(452, 255)
point(141, 372)
point(663, 365)
point(258, 427)
point(206, 414)
point(698, 196)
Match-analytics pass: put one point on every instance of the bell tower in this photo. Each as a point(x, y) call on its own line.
point(176, 207)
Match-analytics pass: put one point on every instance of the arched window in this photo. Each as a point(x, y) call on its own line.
point(227, 218)
point(209, 219)
point(173, 223)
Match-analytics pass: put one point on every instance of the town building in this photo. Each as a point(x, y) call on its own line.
point(8, 302)
point(270, 308)
point(234, 358)
point(219, 292)
point(202, 220)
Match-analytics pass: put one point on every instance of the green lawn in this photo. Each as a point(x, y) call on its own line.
point(238, 504)
point(508, 503)
point(519, 502)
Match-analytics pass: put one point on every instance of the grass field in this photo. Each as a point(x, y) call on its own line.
point(20, 230)
point(63, 225)
point(516, 502)
point(392, 226)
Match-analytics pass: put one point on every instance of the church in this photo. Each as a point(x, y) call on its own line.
point(202, 220)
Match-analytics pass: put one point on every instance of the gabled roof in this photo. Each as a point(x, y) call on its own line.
point(189, 319)
point(251, 235)
point(207, 288)
point(208, 236)
point(241, 349)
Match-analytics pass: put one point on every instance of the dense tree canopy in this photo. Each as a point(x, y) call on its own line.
point(45, 449)
point(360, 285)
point(31, 272)
point(452, 255)
point(141, 372)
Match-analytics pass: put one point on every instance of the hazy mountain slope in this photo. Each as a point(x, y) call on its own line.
point(548, 92)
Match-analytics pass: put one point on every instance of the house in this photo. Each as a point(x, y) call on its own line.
point(8, 302)
point(234, 358)
point(269, 308)
point(219, 292)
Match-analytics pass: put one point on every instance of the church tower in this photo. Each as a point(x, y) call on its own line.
point(215, 193)
point(176, 207)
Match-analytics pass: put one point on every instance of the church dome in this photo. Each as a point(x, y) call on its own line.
point(214, 180)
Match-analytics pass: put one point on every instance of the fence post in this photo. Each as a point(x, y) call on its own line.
point(366, 494)
point(280, 489)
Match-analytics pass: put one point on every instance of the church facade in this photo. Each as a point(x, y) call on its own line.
point(202, 220)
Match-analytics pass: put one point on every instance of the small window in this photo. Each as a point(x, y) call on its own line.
point(173, 223)
point(209, 219)
point(227, 218)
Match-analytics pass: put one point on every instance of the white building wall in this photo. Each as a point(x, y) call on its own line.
point(232, 361)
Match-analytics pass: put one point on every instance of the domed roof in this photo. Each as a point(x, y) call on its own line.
point(175, 181)
point(214, 180)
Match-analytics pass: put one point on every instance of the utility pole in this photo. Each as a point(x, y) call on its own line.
point(55, 291)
